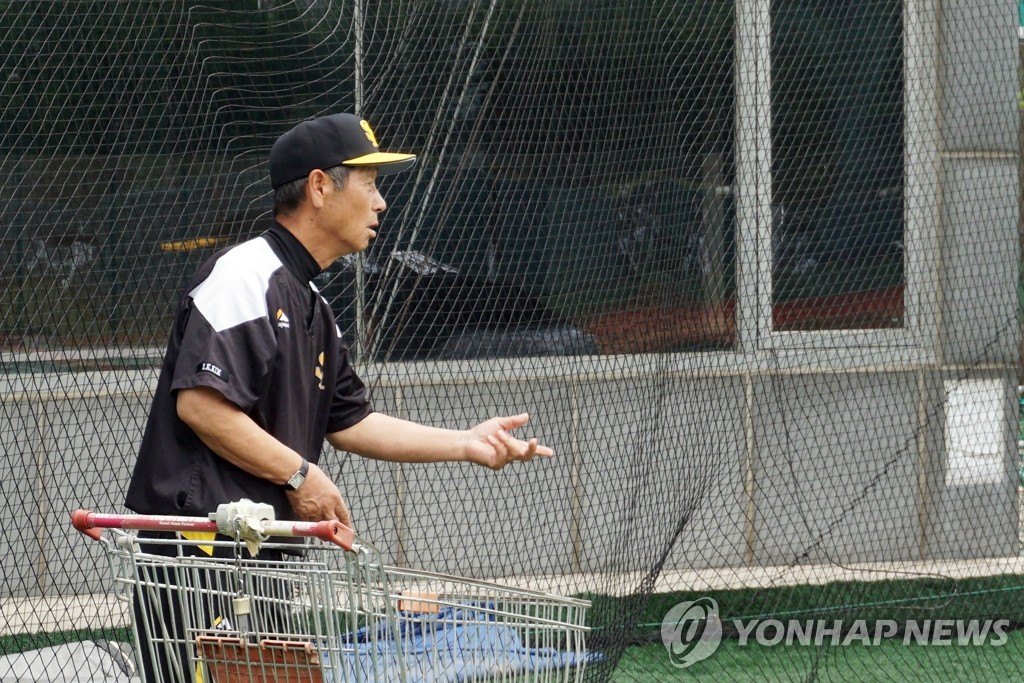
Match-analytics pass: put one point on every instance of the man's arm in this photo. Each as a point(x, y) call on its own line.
point(234, 436)
point(383, 437)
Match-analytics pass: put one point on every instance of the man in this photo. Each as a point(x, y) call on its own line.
point(256, 374)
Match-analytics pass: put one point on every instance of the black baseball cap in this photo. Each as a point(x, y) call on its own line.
point(334, 140)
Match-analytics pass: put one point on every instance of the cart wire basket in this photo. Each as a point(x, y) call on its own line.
point(239, 596)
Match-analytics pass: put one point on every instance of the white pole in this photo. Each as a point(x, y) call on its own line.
point(360, 304)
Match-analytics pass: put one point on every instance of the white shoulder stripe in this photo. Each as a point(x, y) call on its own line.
point(236, 289)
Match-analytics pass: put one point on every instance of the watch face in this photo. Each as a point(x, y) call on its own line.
point(297, 479)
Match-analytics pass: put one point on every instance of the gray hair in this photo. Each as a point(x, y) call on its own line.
point(288, 197)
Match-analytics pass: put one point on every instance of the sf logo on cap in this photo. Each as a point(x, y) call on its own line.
point(369, 133)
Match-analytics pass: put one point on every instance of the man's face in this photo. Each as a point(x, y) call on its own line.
point(351, 214)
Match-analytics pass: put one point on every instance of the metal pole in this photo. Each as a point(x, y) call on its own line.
point(359, 349)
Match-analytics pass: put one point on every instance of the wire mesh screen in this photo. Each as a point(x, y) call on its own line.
point(751, 266)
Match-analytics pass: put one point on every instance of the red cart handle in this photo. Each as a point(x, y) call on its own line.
point(90, 523)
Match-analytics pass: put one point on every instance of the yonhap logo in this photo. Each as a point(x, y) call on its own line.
point(691, 631)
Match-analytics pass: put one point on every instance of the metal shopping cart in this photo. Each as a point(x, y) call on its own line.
point(256, 606)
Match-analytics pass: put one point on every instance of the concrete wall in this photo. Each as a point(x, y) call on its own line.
point(765, 469)
point(979, 323)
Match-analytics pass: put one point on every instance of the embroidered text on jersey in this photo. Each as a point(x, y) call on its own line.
point(214, 370)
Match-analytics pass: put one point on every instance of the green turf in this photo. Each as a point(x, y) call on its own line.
point(888, 661)
point(999, 597)
point(985, 598)
point(34, 641)
point(995, 597)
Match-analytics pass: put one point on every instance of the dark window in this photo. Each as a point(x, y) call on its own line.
point(837, 165)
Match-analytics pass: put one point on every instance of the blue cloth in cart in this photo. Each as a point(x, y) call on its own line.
point(458, 644)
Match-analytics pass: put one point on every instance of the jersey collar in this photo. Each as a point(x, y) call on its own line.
point(293, 255)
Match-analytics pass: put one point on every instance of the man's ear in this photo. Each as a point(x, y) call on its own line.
point(317, 183)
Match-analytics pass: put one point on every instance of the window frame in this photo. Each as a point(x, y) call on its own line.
point(921, 214)
point(757, 348)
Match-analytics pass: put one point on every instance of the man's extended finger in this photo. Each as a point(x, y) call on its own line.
point(513, 421)
point(533, 448)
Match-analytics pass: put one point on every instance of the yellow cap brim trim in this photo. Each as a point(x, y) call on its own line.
point(390, 161)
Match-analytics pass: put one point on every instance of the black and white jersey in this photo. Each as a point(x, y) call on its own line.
point(253, 327)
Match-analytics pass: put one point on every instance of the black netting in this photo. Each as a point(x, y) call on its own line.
point(752, 267)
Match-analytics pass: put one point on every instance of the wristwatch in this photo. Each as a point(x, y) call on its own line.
point(297, 479)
